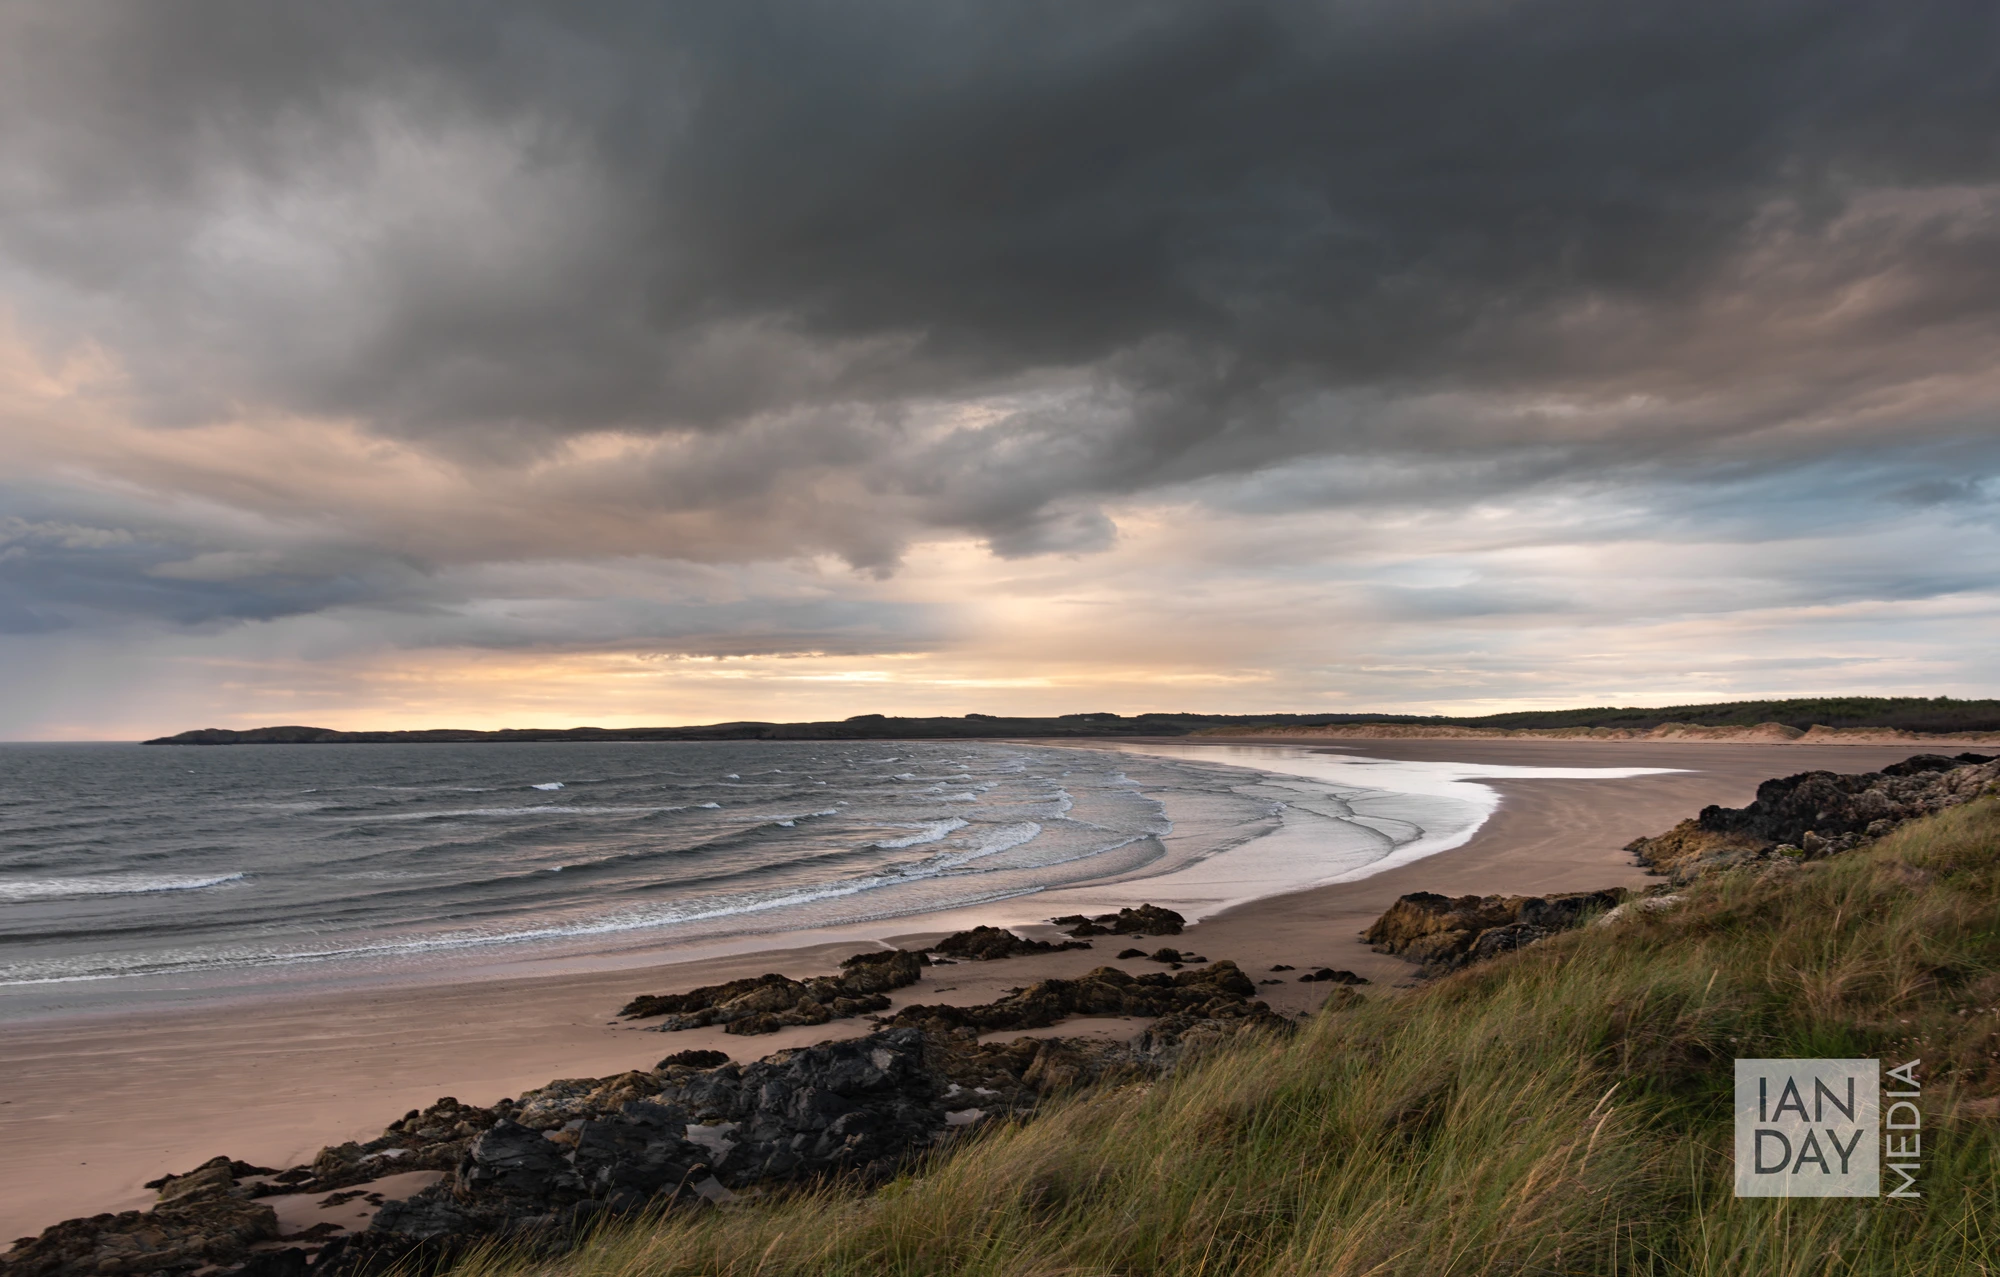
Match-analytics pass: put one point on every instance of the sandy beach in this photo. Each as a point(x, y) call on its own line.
point(94, 1106)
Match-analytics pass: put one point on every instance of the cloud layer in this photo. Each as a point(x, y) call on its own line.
point(1490, 342)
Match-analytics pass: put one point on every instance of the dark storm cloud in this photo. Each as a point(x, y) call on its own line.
point(1160, 242)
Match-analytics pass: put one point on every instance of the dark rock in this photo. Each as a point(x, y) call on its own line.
point(289, 1262)
point(179, 1238)
point(1126, 955)
point(542, 1171)
point(1284, 966)
point(767, 1003)
point(986, 944)
point(1443, 934)
point(1220, 990)
point(694, 1059)
point(1816, 814)
point(1329, 975)
point(236, 1169)
point(1146, 920)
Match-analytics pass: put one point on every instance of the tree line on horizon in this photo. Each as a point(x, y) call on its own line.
point(1940, 714)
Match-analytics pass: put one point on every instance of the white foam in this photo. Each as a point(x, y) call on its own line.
point(172, 961)
point(1001, 838)
point(554, 784)
point(64, 888)
point(1402, 812)
point(540, 809)
point(1007, 837)
point(931, 832)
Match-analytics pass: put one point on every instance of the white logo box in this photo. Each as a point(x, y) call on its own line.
point(1808, 1128)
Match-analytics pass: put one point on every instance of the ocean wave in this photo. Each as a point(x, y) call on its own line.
point(931, 832)
point(1002, 838)
point(66, 888)
point(788, 822)
point(539, 809)
point(407, 870)
point(175, 963)
point(1007, 837)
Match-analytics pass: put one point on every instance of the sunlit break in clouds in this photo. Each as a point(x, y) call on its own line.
point(500, 365)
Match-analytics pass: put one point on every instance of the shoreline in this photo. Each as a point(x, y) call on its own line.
point(1303, 844)
point(98, 1105)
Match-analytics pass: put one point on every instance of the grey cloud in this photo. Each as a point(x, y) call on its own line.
point(1169, 241)
point(53, 576)
point(76, 565)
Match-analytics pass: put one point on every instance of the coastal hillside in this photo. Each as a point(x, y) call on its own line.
point(1848, 718)
point(859, 727)
point(1561, 1109)
point(1854, 720)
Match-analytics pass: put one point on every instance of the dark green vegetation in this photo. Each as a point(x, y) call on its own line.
point(1564, 1109)
point(860, 727)
point(1916, 714)
point(1907, 713)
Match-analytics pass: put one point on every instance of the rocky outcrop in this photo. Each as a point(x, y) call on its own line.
point(859, 1106)
point(1220, 991)
point(1165, 953)
point(767, 1003)
point(1327, 975)
point(1817, 814)
point(988, 944)
point(1442, 934)
point(203, 1218)
point(1146, 920)
point(695, 1059)
point(693, 1130)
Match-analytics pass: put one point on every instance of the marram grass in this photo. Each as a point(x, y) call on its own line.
point(1563, 1110)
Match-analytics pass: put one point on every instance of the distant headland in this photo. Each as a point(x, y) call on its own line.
point(1836, 720)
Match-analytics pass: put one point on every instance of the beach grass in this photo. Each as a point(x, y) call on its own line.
point(1565, 1109)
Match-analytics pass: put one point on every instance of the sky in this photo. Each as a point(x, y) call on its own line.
point(396, 364)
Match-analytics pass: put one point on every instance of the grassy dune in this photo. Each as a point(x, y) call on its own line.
point(1562, 1110)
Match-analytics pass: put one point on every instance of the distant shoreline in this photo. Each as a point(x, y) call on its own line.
point(1086, 728)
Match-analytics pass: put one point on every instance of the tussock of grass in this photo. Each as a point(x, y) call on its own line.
point(1562, 1110)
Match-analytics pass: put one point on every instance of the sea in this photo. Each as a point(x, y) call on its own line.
point(133, 874)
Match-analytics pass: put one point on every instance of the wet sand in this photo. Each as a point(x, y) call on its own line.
point(91, 1107)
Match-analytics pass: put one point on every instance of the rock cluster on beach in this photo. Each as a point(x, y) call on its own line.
point(767, 1003)
point(857, 1106)
point(202, 1220)
point(1220, 991)
point(1145, 920)
point(989, 944)
point(694, 1130)
point(1441, 933)
point(1817, 814)
point(1173, 957)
